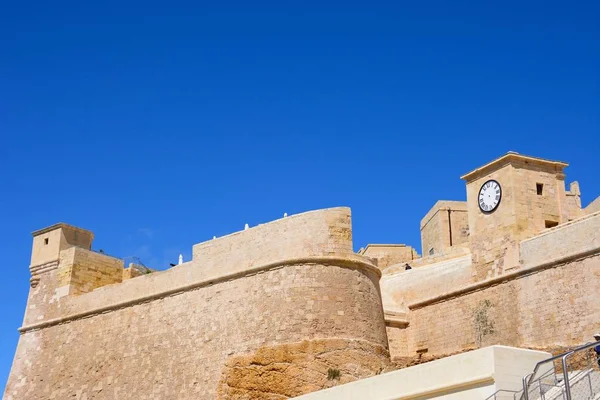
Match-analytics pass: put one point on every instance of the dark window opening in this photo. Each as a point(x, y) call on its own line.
point(540, 188)
point(431, 251)
point(551, 224)
point(46, 241)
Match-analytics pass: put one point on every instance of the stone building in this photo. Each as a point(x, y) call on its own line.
point(288, 308)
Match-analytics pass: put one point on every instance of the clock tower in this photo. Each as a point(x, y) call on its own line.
point(511, 199)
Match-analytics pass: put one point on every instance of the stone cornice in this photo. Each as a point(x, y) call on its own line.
point(37, 270)
point(45, 267)
point(509, 158)
point(348, 261)
point(396, 319)
point(59, 226)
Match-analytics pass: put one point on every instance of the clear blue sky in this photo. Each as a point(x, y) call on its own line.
point(158, 126)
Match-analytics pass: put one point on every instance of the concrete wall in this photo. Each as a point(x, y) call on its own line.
point(474, 375)
point(250, 324)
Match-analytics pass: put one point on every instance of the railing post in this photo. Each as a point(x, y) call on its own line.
point(525, 390)
point(566, 376)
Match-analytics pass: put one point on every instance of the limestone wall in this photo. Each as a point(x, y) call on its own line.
point(551, 301)
point(389, 254)
point(445, 225)
point(567, 240)
point(407, 287)
point(48, 242)
point(82, 271)
point(593, 207)
point(259, 325)
point(279, 240)
point(536, 311)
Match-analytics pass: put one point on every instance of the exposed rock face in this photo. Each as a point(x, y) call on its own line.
point(284, 371)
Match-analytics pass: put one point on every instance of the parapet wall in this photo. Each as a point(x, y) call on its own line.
point(263, 324)
point(568, 240)
point(314, 233)
point(81, 271)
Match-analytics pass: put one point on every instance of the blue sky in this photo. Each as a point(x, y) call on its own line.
point(159, 125)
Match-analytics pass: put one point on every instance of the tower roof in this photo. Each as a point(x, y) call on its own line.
point(514, 157)
point(60, 225)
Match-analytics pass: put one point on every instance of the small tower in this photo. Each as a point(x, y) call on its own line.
point(50, 241)
point(510, 199)
point(44, 267)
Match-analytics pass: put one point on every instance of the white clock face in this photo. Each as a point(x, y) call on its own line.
point(490, 195)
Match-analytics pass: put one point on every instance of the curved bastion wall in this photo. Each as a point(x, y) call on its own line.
point(264, 313)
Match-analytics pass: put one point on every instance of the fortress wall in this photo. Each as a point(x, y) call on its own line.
point(569, 239)
point(312, 233)
point(417, 284)
point(331, 237)
point(269, 331)
point(593, 207)
point(448, 254)
point(389, 254)
point(551, 301)
point(81, 270)
point(181, 346)
point(554, 307)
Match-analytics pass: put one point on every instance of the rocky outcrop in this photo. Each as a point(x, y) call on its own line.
point(284, 371)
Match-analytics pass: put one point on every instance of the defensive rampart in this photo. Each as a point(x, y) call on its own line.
point(264, 313)
point(550, 301)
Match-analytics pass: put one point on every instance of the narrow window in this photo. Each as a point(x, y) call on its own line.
point(540, 188)
point(46, 241)
point(551, 224)
point(431, 251)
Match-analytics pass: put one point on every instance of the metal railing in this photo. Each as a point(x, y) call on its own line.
point(573, 375)
point(503, 394)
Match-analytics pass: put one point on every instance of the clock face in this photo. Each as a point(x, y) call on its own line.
point(490, 195)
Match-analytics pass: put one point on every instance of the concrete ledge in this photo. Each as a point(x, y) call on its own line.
point(472, 375)
point(350, 261)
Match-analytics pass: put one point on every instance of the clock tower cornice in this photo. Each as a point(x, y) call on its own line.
point(514, 158)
